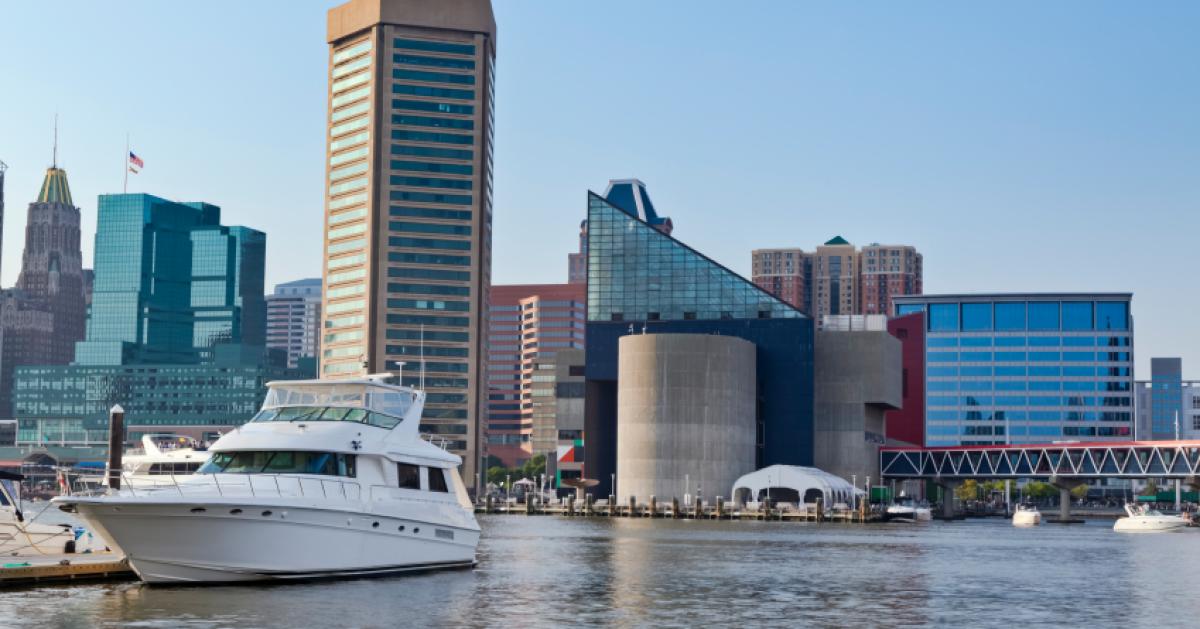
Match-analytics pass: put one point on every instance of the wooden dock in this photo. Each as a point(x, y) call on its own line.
point(58, 568)
point(675, 510)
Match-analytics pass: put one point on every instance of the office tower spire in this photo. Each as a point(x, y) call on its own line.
point(45, 315)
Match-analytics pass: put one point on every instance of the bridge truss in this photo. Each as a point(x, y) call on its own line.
point(1134, 459)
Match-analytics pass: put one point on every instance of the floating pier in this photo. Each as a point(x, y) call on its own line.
point(59, 568)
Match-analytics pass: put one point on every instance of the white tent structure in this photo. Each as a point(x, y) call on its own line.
point(794, 484)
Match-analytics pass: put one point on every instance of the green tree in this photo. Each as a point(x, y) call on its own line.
point(534, 466)
point(968, 490)
point(1151, 489)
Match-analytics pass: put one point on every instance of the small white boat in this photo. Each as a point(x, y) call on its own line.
point(331, 479)
point(1141, 518)
point(1026, 515)
point(163, 455)
point(907, 510)
point(19, 535)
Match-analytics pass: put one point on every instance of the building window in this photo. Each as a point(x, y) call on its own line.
point(943, 317)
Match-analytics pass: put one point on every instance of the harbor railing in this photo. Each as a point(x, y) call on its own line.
point(242, 485)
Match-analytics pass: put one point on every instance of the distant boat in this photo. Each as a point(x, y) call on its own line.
point(163, 456)
point(1144, 519)
point(907, 510)
point(1026, 515)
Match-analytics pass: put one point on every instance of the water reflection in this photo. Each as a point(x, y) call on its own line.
point(544, 571)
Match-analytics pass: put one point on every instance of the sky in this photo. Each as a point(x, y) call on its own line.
point(1020, 146)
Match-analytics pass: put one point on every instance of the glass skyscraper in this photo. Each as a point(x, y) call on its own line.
point(408, 221)
point(171, 282)
point(1026, 368)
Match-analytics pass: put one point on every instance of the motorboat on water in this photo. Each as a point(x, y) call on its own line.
point(905, 509)
point(329, 479)
point(21, 534)
point(1026, 515)
point(163, 455)
point(1145, 519)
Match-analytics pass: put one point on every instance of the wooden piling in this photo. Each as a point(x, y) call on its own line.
point(720, 507)
point(653, 506)
point(116, 444)
point(674, 508)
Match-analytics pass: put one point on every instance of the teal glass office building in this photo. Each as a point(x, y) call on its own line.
point(175, 334)
point(1026, 368)
point(171, 283)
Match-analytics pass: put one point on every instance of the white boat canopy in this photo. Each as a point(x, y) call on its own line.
point(794, 484)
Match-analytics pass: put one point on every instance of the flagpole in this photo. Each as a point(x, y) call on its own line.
point(125, 164)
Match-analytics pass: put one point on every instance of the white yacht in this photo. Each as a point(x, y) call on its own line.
point(1142, 518)
point(905, 509)
point(329, 479)
point(1026, 515)
point(163, 455)
point(20, 535)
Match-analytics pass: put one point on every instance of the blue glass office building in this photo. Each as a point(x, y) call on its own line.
point(641, 280)
point(171, 282)
point(1026, 368)
point(175, 333)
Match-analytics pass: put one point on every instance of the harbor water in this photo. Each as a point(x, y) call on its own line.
point(551, 571)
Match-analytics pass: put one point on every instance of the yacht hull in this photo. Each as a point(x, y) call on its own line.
point(1149, 524)
point(197, 542)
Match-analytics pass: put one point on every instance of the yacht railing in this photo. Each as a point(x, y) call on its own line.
point(436, 440)
point(245, 485)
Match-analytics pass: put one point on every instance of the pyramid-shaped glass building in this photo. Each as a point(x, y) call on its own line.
point(642, 280)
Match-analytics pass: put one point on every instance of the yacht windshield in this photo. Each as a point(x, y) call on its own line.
point(326, 414)
point(372, 397)
point(280, 462)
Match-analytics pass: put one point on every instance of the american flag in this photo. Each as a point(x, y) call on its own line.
point(135, 160)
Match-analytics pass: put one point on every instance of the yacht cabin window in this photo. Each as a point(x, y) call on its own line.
point(280, 462)
point(410, 476)
point(437, 480)
point(164, 469)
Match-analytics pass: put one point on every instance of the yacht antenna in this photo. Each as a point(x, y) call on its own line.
point(422, 379)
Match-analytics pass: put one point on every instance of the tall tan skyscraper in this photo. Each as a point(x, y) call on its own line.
point(409, 202)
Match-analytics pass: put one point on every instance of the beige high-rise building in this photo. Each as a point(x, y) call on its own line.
point(837, 279)
point(409, 202)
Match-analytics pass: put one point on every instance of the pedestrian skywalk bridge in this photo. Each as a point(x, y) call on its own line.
point(1131, 459)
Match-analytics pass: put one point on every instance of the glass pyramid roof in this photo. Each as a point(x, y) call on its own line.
point(637, 273)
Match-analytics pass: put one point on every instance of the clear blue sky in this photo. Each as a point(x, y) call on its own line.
point(1022, 146)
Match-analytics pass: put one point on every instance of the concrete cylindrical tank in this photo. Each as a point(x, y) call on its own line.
point(685, 414)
